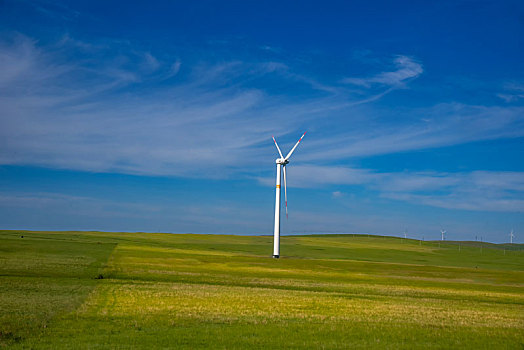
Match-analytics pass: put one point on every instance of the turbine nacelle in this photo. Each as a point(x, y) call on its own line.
point(281, 161)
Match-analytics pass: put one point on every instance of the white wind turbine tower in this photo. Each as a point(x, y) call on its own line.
point(511, 236)
point(281, 164)
point(442, 233)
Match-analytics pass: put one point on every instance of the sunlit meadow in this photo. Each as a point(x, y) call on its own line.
point(139, 290)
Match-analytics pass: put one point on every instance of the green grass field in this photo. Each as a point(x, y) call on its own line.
point(82, 290)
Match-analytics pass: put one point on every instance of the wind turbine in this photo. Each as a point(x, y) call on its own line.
point(442, 233)
point(511, 236)
point(281, 164)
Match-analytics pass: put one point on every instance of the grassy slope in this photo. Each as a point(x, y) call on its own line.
point(190, 291)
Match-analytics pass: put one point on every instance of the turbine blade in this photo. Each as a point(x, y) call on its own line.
point(278, 148)
point(285, 187)
point(293, 149)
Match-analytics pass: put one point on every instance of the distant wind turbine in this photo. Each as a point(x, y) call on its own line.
point(511, 236)
point(442, 233)
point(281, 164)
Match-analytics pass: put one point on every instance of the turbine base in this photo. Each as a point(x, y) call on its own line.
point(276, 256)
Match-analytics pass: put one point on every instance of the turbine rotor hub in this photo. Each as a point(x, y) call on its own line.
point(281, 161)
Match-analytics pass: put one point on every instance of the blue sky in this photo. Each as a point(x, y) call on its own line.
point(158, 116)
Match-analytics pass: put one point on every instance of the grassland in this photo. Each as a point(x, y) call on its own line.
point(135, 290)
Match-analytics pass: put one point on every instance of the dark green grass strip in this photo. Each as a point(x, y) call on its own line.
point(43, 278)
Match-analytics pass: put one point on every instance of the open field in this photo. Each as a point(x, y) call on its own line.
point(136, 290)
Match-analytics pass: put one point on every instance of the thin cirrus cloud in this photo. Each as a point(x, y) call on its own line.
point(405, 69)
point(175, 68)
point(512, 92)
point(104, 111)
point(459, 201)
point(477, 190)
point(151, 63)
point(52, 119)
point(97, 106)
point(436, 126)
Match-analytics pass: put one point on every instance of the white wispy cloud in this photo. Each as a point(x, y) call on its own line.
point(477, 190)
point(104, 112)
point(175, 68)
point(82, 114)
point(406, 68)
point(459, 201)
point(318, 176)
point(151, 63)
point(54, 10)
point(337, 194)
point(435, 126)
point(18, 56)
point(513, 92)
